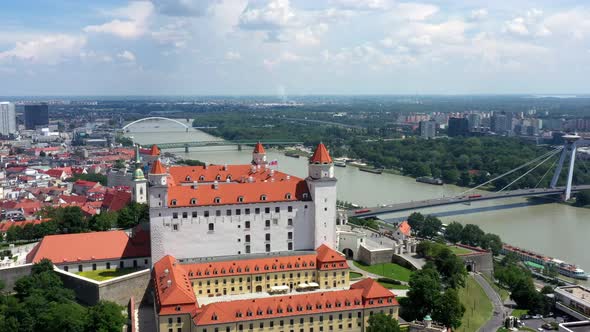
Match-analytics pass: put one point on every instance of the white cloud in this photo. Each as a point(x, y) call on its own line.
point(285, 56)
point(176, 34)
point(479, 14)
point(530, 24)
point(310, 36)
point(232, 55)
point(414, 11)
point(570, 23)
point(48, 49)
point(127, 56)
point(363, 4)
point(183, 7)
point(130, 22)
point(276, 14)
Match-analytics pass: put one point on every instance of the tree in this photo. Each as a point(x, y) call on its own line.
point(415, 221)
point(583, 198)
point(450, 175)
point(471, 235)
point(103, 221)
point(60, 317)
point(448, 309)
point(133, 214)
point(44, 265)
point(431, 226)
point(381, 322)
point(106, 317)
point(72, 220)
point(423, 294)
point(451, 268)
point(547, 290)
point(464, 179)
point(492, 242)
point(453, 232)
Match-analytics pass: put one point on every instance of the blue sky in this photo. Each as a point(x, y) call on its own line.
point(202, 47)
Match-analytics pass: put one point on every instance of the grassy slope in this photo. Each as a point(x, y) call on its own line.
point(388, 270)
point(478, 306)
point(459, 250)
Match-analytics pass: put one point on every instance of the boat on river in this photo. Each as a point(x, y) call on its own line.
point(564, 268)
point(430, 180)
point(292, 154)
point(371, 170)
point(340, 163)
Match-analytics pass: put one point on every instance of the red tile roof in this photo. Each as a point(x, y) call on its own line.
point(84, 183)
point(247, 184)
point(73, 199)
point(73, 248)
point(154, 151)
point(157, 167)
point(321, 155)
point(371, 289)
point(250, 266)
point(259, 148)
point(115, 200)
point(173, 289)
point(405, 228)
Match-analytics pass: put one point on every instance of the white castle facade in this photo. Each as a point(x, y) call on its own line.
point(229, 210)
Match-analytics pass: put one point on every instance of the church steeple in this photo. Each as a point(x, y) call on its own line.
point(139, 190)
point(138, 173)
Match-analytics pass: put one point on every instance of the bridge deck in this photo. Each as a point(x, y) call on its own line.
point(374, 211)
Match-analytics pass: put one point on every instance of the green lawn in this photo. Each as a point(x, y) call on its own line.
point(519, 312)
point(354, 275)
point(459, 250)
point(478, 308)
point(392, 286)
point(388, 270)
point(101, 275)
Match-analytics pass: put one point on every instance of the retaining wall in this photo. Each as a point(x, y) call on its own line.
point(9, 275)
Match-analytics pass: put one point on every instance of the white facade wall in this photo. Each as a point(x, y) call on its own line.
point(73, 267)
point(190, 237)
point(323, 194)
point(350, 240)
point(7, 119)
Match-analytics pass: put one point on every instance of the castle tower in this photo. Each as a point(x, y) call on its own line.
point(158, 178)
point(259, 155)
point(139, 190)
point(322, 186)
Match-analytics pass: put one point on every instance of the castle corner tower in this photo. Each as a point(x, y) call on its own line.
point(322, 187)
point(259, 155)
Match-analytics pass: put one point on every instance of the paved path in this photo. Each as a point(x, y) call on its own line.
point(498, 313)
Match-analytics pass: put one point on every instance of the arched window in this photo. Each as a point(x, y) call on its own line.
point(202, 178)
point(217, 200)
point(240, 199)
point(228, 178)
point(193, 201)
point(305, 195)
point(288, 196)
point(173, 202)
point(218, 177)
point(188, 178)
point(141, 190)
point(263, 197)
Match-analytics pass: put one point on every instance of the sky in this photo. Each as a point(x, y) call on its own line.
point(293, 47)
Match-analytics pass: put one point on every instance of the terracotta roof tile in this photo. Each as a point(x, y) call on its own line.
point(405, 228)
point(371, 289)
point(321, 155)
point(259, 148)
point(157, 167)
point(173, 289)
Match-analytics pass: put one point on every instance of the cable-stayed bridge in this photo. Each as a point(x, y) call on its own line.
point(567, 151)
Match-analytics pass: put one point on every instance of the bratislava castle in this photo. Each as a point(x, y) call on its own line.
point(198, 212)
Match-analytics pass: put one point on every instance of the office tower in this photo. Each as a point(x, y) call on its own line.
point(474, 120)
point(427, 129)
point(458, 127)
point(36, 115)
point(7, 118)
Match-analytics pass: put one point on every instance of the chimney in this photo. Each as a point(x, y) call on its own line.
point(169, 282)
point(195, 183)
point(225, 167)
point(166, 272)
point(215, 184)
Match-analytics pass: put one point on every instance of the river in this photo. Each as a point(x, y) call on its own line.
point(553, 229)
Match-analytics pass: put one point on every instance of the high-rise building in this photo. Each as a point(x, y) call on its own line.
point(7, 118)
point(474, 120)
point(427, 129)
point(499, 124)
point(36, 115)
point(458, 127)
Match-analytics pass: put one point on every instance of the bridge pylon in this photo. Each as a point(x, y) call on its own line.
point(569, 147)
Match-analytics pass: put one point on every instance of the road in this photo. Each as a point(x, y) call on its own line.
point(498, 314)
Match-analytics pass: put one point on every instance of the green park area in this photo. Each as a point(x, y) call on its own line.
point(102, 275)
point(459, 250)
point(354, 275)
point(387, 270)
point(478, 308)
point(390, 285)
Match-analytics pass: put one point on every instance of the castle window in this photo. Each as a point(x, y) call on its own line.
point(218, 177)
point(228, 178)
point(289, 222)
point(217, 200)
point(202, 178)
point(188, 178)
point(240, 199)
point(263, 197)
point(305, 195)
point(211, 227)
point(173, 202)
point(193, 201)
point(288, 196)
point(289, 209)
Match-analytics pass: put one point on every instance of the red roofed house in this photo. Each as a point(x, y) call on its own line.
point(93, 251)
point(81, 187)
point(241, 209)
point(115, 200)
point(340, 309)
